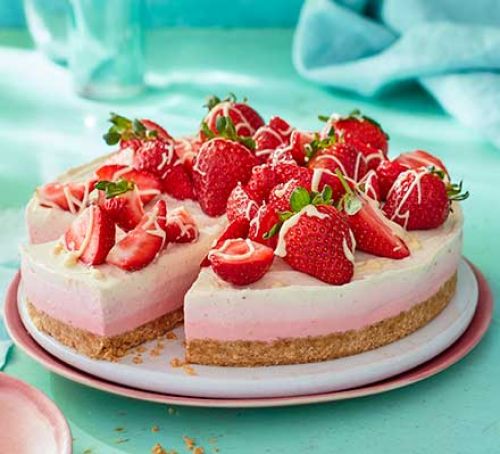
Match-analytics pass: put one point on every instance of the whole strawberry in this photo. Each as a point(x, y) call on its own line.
point(222, 162)
point(362, 132)
point(315, 239)
point(421, 200)
point(246, 120)
point(240, 205)
point(262, 180)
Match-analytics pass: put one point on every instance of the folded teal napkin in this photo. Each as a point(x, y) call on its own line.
point(451, 47)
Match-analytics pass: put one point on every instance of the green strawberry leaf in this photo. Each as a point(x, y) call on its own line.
point(299, 199)
point(273, 231)
point(114, 188)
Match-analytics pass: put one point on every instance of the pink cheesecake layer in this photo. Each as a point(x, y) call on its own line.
point(288, 304)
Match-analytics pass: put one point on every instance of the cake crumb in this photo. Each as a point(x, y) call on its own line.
point(137, 360)
point(171, 335)
point(177, 362)
point(155, 428)
point(189, 369)
point(189, 442)
point(58, 248)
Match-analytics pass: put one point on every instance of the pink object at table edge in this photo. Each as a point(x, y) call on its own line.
point(457, 351)
point(46, 408)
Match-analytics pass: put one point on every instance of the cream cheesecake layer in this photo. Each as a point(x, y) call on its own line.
point(106, 300)
point(288, 304)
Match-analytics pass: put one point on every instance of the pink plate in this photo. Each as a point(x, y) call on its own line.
point(30, 421)
point(458, 350)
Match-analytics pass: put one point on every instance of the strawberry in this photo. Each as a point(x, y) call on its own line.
point(287, 172)
point(72, 197)
point(241, 262)
point(340, 156)
point(387, 173)
point(300, 142)
point(420, 199)
point(245, 119)
point(155, 157)
point(314, 238)
point(178, 184)
point(263, 222)
point(362, 132)
point(420, 158)
point(282, 155)
point(266, 141)
point(283, 128)
point(181, 226)
point(279, 197)
point(133, 133)
point(122, 202)
point(240, 205)
point(235, 229)
point(149, 185)
point(139, 247)
point(262, 180)
point(90, 236)
point(186, 148)
point(370, 185)
point(221, 163)
point(373, 232)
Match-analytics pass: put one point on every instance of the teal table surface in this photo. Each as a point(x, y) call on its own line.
point(44, 128)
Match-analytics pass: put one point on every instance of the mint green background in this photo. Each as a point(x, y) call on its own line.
point(456, 411)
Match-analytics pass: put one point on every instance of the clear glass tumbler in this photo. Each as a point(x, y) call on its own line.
point(106, 56)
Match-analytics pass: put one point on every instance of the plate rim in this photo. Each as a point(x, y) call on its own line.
point(55, 416)
point(459, 349)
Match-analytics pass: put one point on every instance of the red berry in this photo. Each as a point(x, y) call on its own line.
point(240, 205)
point(280, 195)
point(155, 157)
point(262, 180)
point(370, 185)
point(72, 197)
point(139, 247)
point(181, 226)
point(178, 184)
point(219, 166)
point(265, 219)
point(388, 172)
point(287, 172)
point(241, 262)
point(126, 209)
point(91, 235)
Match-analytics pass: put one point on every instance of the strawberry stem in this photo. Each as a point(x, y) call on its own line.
point(226, 129)
point(115, 188)
point(343, 182)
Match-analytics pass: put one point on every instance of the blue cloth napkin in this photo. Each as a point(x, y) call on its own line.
point(451, 47)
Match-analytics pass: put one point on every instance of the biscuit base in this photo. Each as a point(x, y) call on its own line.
point(320, 348)
point(102, 347)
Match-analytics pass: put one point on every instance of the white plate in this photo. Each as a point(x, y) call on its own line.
point(156, 374)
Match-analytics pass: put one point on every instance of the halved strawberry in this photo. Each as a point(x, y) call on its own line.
point(149, 185)
point(235, 229)
point(139, 247)
point(122, 201)
point(178, 184)
point(245, 119)
point(91, 235)
point(240, 204)
point(373, 232)
point(241, 262)
point(260, 226)
point(181, 226)
point(72, 197)
point(262, 180)
point(220, 164)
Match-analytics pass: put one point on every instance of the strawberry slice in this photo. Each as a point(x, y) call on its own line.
point(235, 229)
point(139, 247)
point(178, 183)
point(72, 197)
point(90, 236)
point(241, 262)
point(149, 185)
point(121, 200)
point(240, 205)
point(181, 226)
point(374, 233)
